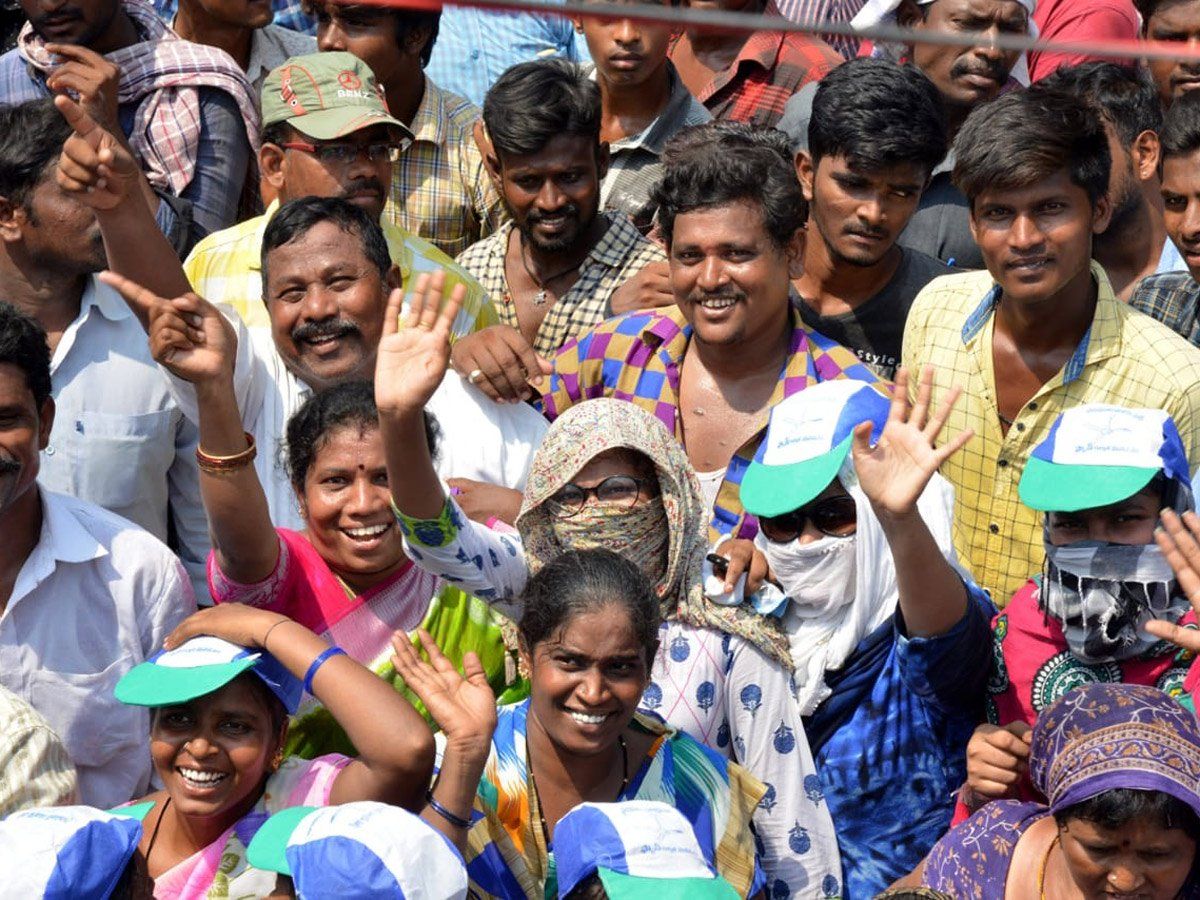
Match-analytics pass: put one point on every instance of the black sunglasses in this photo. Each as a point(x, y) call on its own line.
point(619, 490)
point(834, 516)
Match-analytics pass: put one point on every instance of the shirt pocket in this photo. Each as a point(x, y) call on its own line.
point(82, 709)
point(113, 455)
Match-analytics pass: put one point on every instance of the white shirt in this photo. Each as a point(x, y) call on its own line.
point(119, 438)
point(95, 597)
point(481, 439)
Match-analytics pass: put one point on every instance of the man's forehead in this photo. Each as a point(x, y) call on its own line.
point(324, 244)
point(984, 9)
point(1182, 173)
point(15, 392)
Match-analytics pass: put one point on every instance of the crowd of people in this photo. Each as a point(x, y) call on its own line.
point(493, 454)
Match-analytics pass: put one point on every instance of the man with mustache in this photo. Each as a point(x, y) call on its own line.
point(877, 132)
point(1041, 330)
point(1174, 21)
point(554, 268)
point(326, 133)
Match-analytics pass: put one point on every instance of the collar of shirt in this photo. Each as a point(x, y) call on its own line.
point(63, 539)
point(674, 116)
point(610, 251)
point(1102, 339)
point(273, 45)
point(429, 123)
point(97, 296)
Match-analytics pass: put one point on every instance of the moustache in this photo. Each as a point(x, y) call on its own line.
point(8, 466)
point(362, 185)
point(995, 72)
point(570, 211)
point(861, 231)
point(326, 328)
point(59, 15)
point(724, 294)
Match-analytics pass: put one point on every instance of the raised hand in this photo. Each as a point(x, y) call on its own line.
point(997, 759)
point(188, 335)
point(463, 705)
point(90, 77)
point(412, 358)
point(1179, 539)
point(894, 472)
point(94, 163)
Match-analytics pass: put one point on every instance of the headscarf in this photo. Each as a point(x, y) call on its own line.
point(581, 434)
point(1101, 737)
point(883, 12)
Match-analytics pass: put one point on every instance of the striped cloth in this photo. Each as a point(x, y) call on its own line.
point(835, 11)
point(161, 74)
point(35, 769)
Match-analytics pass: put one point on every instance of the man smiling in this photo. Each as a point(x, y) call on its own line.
point(1041, 329)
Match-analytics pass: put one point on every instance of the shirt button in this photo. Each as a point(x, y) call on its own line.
point(1032, 405)
point(50, 450)
point(1020, 426)
point(994, 528)
point(1002, 463)
point(474, 54)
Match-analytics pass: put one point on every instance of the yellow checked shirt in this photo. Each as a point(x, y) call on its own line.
point(226, 267)
point(1126, 358)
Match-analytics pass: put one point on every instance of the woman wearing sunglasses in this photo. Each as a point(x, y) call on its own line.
point(610, 476)
point(889, 640)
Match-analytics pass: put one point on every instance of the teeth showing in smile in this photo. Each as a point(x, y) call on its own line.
point(368, 531)
point(718, 303)
point(584, 719)
point(200, 779)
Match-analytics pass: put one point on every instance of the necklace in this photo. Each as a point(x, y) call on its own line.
point(154, 833)
point(533, 785)
point(1042, 869)
point(539, 299)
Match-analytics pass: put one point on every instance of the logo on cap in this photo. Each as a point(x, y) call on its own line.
point(288, 94)
point(349, 80)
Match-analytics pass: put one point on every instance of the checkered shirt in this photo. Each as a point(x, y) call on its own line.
point(288, 14)
point(770, 68)
point(440, 189)
point(226, 267)
point(617, 257)
point(1125, 358)
point(839, 11)
point(1173, 299)
point(639, 357)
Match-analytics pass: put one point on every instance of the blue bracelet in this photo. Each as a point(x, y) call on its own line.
point(317, 663)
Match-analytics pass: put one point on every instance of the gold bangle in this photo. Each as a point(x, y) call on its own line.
point(219, 465)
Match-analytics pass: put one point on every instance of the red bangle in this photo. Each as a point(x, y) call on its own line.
point(217, 465)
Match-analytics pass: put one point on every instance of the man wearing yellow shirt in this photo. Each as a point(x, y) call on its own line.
point(1040, 331)
point(326, 133)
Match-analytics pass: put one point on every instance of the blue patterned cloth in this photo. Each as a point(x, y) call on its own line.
point(892, 738)
point(287, 13)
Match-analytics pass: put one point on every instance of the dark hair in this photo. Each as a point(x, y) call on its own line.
point(1024, 137)
point(711, 167)
point(1147, 8)
point(727, 134)
point(406, 21)
point(23, 344)
point(1180, 135)
point(1122, 94)
point(297, 217)
point(1118, 807)
point(878, 114)
point(534, 102)
point(591, 888)
point(347, 405)
point(580, 581)
point(31, 138)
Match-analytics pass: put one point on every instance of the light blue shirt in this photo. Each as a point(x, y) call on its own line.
point(1170, 260)
point(475, 46)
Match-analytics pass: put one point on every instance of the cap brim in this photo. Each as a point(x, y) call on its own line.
point(133, 811)
point(775, 490)
point(149, 684)
point(329, 124)
point(619, 886)
point(268, 847)
point(1047, 486)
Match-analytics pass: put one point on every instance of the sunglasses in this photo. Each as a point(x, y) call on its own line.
point(345, 154)
point(834, 516)
point(617, 490)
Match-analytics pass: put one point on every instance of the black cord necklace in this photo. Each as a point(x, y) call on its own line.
point(533, 786)
point(539, 299)
point(154, 833)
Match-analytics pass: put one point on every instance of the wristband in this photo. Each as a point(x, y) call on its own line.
point(317, 663)
point(450, 817)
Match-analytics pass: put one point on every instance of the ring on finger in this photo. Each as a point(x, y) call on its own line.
point(475, 376)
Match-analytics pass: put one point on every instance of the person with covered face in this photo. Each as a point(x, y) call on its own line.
point(1099, 478)
point(889, 638)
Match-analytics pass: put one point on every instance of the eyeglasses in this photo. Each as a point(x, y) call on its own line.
point(834, 516)
point(344, 154)
point(618, 490)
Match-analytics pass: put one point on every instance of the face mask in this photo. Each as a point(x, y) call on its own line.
point(818, 577)
point(1102, 594)
point(640, 535)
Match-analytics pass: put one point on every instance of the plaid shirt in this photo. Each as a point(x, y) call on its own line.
point(1172, 298)
point(617, 256)
point(639, 357)
point(288, 14)
point(1125, 358)
point(226, 267)
point(840, 11)
point(770, 68)
point(440, 189)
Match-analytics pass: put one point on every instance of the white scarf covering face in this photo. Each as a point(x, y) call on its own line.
point(851, 595)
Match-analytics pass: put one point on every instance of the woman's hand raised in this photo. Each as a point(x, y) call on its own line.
point(1179, 540)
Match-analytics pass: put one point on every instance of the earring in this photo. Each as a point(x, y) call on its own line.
point(277, 760)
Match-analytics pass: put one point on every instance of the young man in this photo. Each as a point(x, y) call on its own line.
point(748, 77)
point(1135, 244)
point(1041, 329)
point(1174, 298)
point(876, 133)
point(187, 110)
point(84, 595)
point(554, 268)
point(119, 439)
point(325, 140)
point(1177, 21)
point(643, 103)
point(439, 189)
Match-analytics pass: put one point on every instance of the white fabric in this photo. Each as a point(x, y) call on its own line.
point(822, 643)
point(710, 486)
point(119, 438)
point(95, 597)
point(203, 651)
point(480, 439)
point(1098, 435)
point(655, 840)
point(32, 845)
point(804, 426)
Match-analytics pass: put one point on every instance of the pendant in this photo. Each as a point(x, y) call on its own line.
point(539, 299)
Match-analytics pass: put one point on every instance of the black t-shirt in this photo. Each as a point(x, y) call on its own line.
point(875, 330)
